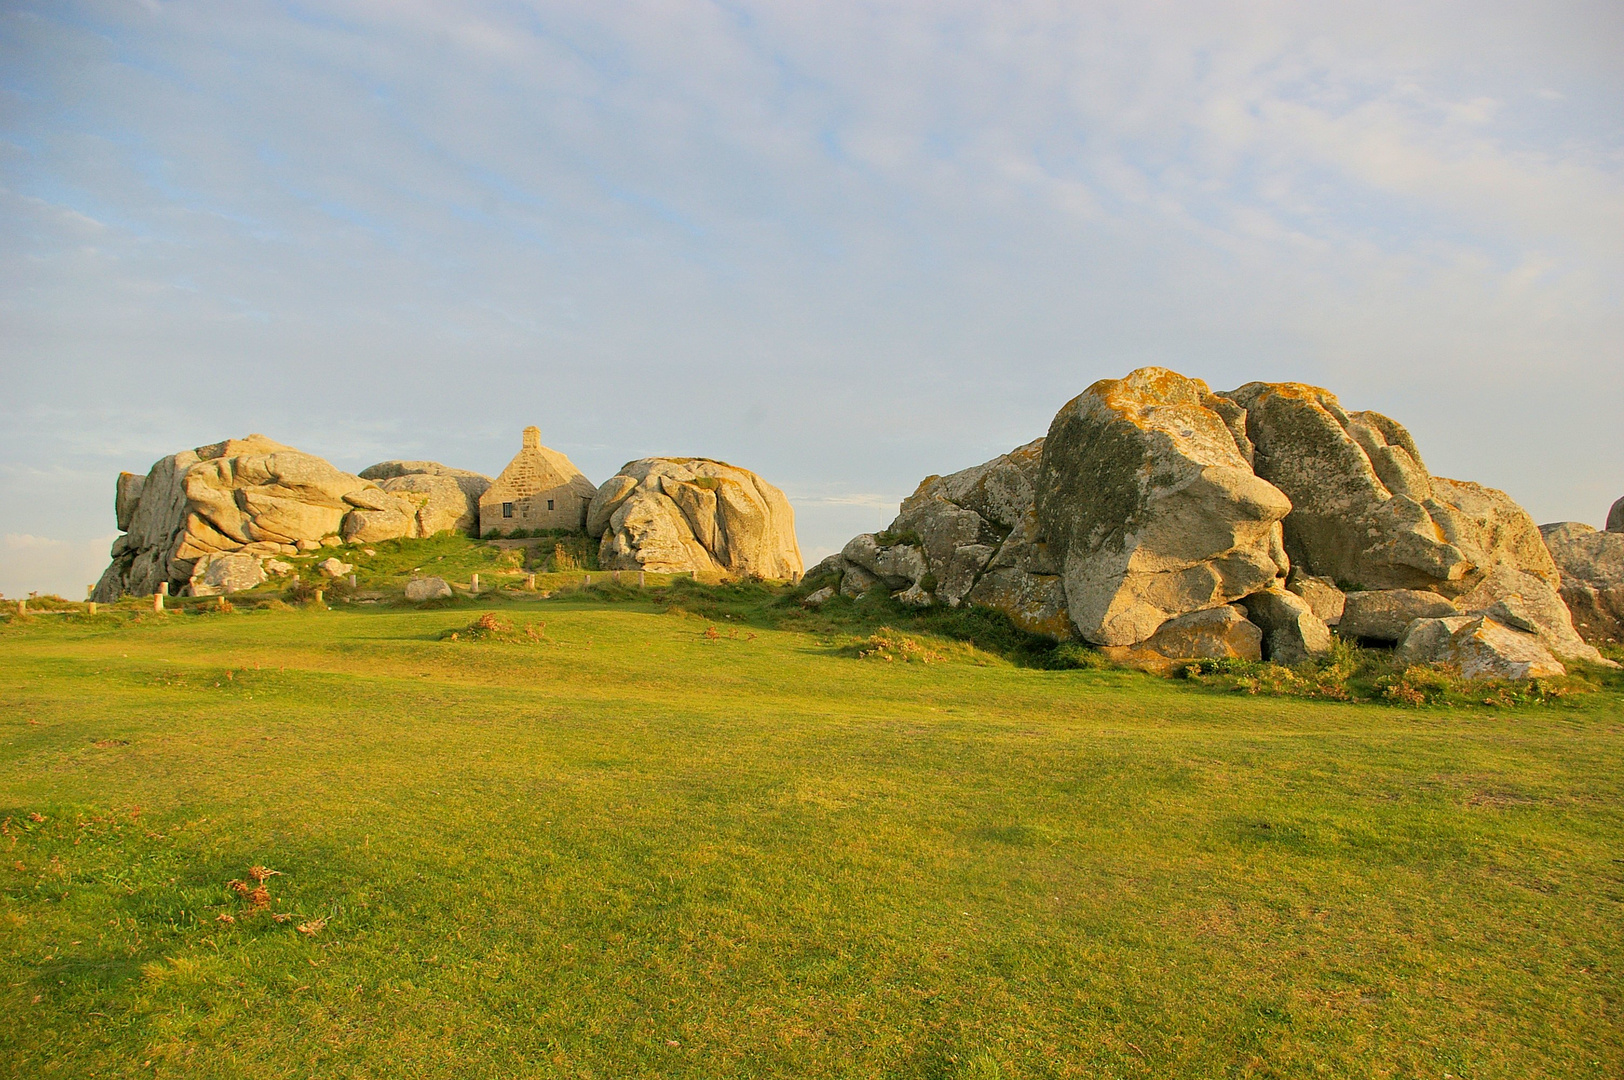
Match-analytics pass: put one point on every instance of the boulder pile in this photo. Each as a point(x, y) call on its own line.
point(215, 519)
point(1157, 517)
point(677, 515)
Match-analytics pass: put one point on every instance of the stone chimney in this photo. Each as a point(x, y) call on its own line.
point(532, 438)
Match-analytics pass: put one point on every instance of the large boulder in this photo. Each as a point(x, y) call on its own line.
point(1383, 615)
point(1615, 517)
point(446, 499)
point(1034, 602)
point(693, 514)
point(215, 575)
point(126, 497)
point(1480, 647)
point(1150, 508)
point(1511, 564)
point(428, 588)
point(1530, 602)
point(1221, 633)
point(1359, 492)
point(1321, 594)
point(1291, 631)
point(1592, 565)
point(248, 495)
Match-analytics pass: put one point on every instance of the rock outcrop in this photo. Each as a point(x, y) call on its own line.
point(968, 537)
point(1152, 498)
point(1359, 493)
point(447, 499)
point(1615, 517)
point(251, 496)
point(1592, 566)
point(1366, 514)
point(1480, 647)
point(674, 515)
point(1150, 507)
point(1511, 565)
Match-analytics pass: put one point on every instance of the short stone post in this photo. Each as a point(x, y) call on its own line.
point(589, 579)
point(93, 607)
point(641, 577)
point(474, 587)
point(158, 600)
point(163, 588)
point(319, 594)
point(222, 601)
point(617, 577)
point(22, 607)
point(352, 581)
point(530, 582)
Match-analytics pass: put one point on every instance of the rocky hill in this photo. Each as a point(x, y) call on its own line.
point(220, 518)
point(215, 518)
point(1163, 521)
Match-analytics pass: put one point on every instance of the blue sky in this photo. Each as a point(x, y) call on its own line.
point(844, 244)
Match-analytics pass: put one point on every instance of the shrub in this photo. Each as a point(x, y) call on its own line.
point(888, 645)
point(1073, 656)
point(563, 559)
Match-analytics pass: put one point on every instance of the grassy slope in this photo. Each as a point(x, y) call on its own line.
point(633, 851)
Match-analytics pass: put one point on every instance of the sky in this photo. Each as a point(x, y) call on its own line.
point(844, 244)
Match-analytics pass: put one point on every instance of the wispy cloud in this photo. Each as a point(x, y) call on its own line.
point(845, 244)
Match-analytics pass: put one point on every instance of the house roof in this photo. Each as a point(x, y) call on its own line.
point(537, 468)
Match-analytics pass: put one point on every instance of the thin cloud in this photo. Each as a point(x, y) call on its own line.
point(847, 245)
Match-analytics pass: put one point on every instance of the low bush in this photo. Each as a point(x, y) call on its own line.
point(492, 627)
point(1353, 673)
point(888, 645)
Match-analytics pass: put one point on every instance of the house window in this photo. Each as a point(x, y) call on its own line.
point(549, 504)
point(507, 509)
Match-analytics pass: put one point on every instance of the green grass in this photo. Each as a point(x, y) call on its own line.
point(623, 847)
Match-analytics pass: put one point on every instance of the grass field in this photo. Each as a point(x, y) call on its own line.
point(621, 846)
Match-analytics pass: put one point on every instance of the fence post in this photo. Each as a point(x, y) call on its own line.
point(530, 582)
point(474, 586)
point(640, 578)
point(22, 607)
point(352, 581)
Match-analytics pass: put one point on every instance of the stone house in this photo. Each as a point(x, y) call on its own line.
point(539, 489)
